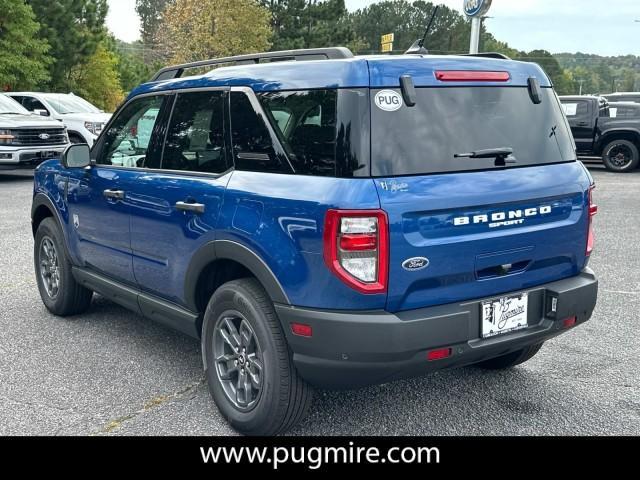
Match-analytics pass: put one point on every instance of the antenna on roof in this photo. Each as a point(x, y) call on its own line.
point(418, 45)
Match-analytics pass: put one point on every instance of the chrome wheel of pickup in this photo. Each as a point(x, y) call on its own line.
point(49, 267)
point(238, 360)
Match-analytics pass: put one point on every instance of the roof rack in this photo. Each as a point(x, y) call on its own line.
point(176, 71)
point(486, 55)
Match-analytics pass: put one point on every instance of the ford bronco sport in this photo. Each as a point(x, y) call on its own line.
point(319, 218)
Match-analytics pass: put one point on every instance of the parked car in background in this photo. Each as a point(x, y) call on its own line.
point(599, 132)
point(27, 139)
point(623, 97)
point(83, 120)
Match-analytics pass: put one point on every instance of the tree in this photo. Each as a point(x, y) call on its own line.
point(23, 60)
point(131, 66)
point(562, 82)
point(309, 23)
point(74, 29)
point(150, 13)
point(97, 79)
point(407, 21)
point(195, 30)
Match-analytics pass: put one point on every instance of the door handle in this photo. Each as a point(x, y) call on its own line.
point(190, 207)
point(583, 124)
point(115, 194)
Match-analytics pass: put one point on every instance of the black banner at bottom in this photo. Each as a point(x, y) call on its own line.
point(326, 454)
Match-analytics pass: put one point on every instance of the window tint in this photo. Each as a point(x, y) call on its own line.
point(252, 143)
point(195, 139)
point(628, 111)
point(582, 109)
point(453, 120)
point(309, 135)
point(127, 140)
point(32, 104)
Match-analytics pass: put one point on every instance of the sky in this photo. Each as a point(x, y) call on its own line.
point(588, 26)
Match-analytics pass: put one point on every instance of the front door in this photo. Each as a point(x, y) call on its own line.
point(99, 197)
point(174, 210)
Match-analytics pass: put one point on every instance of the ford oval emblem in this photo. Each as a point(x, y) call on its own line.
point(415, 263)
point(44, 136)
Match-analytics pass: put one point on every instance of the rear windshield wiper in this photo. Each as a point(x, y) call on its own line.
point(503, 155)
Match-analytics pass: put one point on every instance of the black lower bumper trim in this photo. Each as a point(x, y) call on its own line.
point(352, 349)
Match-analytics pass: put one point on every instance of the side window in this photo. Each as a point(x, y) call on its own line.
point(252, 144)
point(33, 104)
point(310, 136)
point(127, 140)
point(570, 109)
point(582, 109)
point(195, 139)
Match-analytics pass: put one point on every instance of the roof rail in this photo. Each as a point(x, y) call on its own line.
point(176, 71)
point(497, 55)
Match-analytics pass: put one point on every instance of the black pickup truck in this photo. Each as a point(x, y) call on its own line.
point(599, 131)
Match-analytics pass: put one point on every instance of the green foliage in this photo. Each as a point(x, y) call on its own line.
point(150, 13)
point(133, 68)
point(408, 21)
point(309, 24)
point(195, 30)
point(73, 29)
point(97, 79)
point(23, 59)
point(601, 74)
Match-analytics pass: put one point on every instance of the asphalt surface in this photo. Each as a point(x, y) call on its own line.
point(111, 372)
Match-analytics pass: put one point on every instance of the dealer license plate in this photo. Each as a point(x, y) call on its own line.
point(503, 315)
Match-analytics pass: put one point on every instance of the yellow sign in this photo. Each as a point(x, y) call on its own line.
point(386, 43)
point(388, 38)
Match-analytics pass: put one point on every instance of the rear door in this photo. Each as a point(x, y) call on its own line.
point(174, 208)
point(581, 117)
point(463, 228)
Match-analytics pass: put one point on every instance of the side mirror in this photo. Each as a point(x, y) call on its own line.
point(42, 113)
point(77, 155)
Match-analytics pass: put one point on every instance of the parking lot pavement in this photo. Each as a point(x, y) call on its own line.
point(110, 372)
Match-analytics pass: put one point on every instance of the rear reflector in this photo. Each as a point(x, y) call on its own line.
point(471, 76)
point(569, 322)
point(438, 354)
point(301, 329)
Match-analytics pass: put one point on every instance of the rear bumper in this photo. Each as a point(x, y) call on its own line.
point(352, 349)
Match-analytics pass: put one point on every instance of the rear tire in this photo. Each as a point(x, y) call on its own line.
point(253, 382)
point(60, 292)
point(620, 156)
point(511, 359)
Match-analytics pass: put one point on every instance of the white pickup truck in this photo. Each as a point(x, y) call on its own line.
point(83, 120)
point(27, 139)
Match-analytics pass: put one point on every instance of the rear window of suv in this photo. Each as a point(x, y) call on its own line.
point(451, 120)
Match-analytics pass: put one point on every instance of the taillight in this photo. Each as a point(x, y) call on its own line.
point(356, 248)
point(471, 76)
point(593, 209)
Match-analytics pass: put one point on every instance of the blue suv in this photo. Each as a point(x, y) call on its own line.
point(318, 218)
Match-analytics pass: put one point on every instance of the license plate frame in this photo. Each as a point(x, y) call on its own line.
point(502, 315)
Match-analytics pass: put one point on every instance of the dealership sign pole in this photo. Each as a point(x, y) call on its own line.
point(475, 9)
